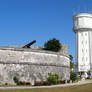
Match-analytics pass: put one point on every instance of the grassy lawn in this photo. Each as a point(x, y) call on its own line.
point(82, 88)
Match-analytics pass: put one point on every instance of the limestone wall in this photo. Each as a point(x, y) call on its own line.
point(31, 65)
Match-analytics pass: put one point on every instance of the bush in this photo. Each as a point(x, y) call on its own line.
point(53, 45)
point(21, 83)
point(16, 80)
point(53, 78)
point(73, 76)
point(6, 83)
point(28, 83)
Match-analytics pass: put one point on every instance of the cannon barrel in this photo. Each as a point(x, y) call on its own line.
point(29, 44)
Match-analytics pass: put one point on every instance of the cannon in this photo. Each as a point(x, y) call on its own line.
point(29, 44)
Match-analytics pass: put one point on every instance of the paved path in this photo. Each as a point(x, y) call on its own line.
point(53, 86)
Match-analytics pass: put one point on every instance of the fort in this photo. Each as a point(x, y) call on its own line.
point(32, 64)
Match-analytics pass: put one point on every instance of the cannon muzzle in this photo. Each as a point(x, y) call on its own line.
point(29, 44)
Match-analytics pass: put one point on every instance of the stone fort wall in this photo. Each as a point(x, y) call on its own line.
point(32, 65)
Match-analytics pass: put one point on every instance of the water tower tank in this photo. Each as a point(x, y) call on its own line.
point(82, 21)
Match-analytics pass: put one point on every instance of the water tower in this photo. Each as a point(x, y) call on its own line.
point(82, 26)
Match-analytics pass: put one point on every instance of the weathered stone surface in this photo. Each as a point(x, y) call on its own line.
point(31, 65)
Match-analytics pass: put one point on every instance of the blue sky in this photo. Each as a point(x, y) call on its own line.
point(22, 21)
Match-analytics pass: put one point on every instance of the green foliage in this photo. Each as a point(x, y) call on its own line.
point(53, 78)
point(73, 76)
point(16, 80)
point(71, 65)
point(71, 57)
point(53, 45)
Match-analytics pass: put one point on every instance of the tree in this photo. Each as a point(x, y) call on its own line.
point(71, 63)
point(53, 45)
point(71, 57)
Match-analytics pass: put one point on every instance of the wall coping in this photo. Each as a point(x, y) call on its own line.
point(32, 50)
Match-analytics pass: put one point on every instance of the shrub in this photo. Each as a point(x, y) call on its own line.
point(53, 78)
point(22, 83)
point(73, 76)
point(6, 83)
point(53, 45)
point(16, 80)
point(28, 83)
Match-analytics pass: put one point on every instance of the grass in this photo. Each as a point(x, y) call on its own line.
point(81, 88)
